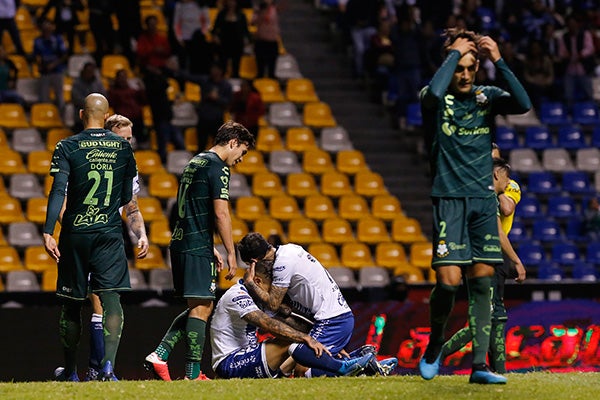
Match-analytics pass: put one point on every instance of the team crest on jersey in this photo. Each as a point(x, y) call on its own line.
point(213, 287)
point(442, 249)
point(91, 217)
point(481, 98)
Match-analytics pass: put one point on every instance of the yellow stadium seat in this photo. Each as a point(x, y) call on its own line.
point(190, 137)
point(387, 207)
point(23, 70)
point(147, 115)
point(239, 229)
point(410, 273)
point(45, 116)
point(248, 69)
point(268, 226)
point(318, 115)
point(67, 88)
point(266, 184)
point(48, 179)
point(335, 184)
point(3, 241)
point(421, 254)
point(150, 208)
point(145, 12)
point(89, 42)
point(23, 19)
point(148, 162)
point(390, 255)
point(55, 135)
point(407, 230)
point(9, 259)
point(353, 207)
point(28, 36)
point(369, 184)
point(303, 231)
point(160, 233)
point(350, 161)
point(10, 210)
point(11, 162)
point(163, 185)
point(38, 162)
point(192, 92)
point(300, 139)
point(301, 90)
point(225, 284)
point(284, 208)
point(12, 116)
point(4, 143)
point(356, 255)
point(49, 278)
point(111, 63)
point(252, 163)
point(173, 91)
point(316, 162)
point(37, 260)
point(301, 184)
point(269, 89)
point(319, 207)
point(325, 253)
point(337, 231)
point(372, 230)
point(36, 209)
point(268, 139)
point(250, 208)
point(153, 259)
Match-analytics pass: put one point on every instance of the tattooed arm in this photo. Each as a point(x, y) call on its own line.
point(135, 223)
point(272, 299)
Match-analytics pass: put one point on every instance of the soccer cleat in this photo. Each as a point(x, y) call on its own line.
point(200, 377)
point(361, 351)
point(429, 371)
point(486, 377)
point(60, 375)
point(384, 367)
point(92, 374)
point(107, 373)
point(355, 366)
point(158, 367)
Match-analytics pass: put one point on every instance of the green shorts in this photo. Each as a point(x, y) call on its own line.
point(194, 277)
point(94, 260)
point(465, 231)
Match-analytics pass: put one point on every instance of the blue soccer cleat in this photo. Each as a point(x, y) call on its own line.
point(61, 376)
point(107, 373)
point(386, 366)
point(362, 350)
point(92, 374)
point(429, 371)
point(355, 366)
point(487, 377)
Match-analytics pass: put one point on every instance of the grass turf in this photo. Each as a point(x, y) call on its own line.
point(538, 385)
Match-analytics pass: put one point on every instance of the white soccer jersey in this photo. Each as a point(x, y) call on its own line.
point(310, 287)
point(229, 331)
point(135, 188)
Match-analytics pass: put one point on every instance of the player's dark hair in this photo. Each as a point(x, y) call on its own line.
point(253, 246)
point(451, 34)
point(501, 163)
point(232, 130)
point(264, 268)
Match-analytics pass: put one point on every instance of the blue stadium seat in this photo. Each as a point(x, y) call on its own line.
point(546, 230)
point(487, 18)
point(571, 138)
point(507, 138)
point(413, 114)
point(538, 138)
point(596, 137)
point(518, 233)
point(585, 113)
point(592, 253)
point(574, 229)
point(529, 207)
point(585, 272)
point(577, 182)
point(550, 271)
point(562, 207)
point(553, 113)
point(531, 254)
point(564, 253)
point(542, 183)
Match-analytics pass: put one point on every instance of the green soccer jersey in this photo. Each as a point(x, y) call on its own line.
point(204, 179)
point(98, 164)
point(461, 128)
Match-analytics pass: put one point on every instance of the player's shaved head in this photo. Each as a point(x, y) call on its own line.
point(95, 110)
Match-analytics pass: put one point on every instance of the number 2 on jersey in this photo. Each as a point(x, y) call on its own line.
point(95, 176)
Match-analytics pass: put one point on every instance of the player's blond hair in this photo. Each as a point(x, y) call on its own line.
point(117, 121)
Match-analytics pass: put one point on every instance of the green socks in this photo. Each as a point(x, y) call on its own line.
point(70, 333)
point(459, 340)
point(441, 303)
point(498, 347)
point(195, 330)
point(173, 335)
point(480, 316)
point(113, 324)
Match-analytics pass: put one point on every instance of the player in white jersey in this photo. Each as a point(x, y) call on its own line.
point(236, 352)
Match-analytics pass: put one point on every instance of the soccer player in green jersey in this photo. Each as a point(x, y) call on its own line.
point(202, 208)
point(458, 117)
point(99, 168)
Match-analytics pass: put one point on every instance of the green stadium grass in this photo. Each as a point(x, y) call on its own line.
point(538, 386)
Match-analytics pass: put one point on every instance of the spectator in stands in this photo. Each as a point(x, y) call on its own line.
point(129, 101)
point(266, 38)
point(101, 27)
point(247, 107)
point(153, 49)
point(361, 18)
point(130, 27)
point(8, 80)
point(189, 17)
point(201, 54)
point(230, 34)
point(51, 54)
point(86, 83)
point(379, 59)
point(592, 219)
point(8, 10)
point(576, 49)
point(65, 18)
point(535, 17)
point(538, 73)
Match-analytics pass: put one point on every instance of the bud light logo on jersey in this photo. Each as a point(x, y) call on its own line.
point(109, 144)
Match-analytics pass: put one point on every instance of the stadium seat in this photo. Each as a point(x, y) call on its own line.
point(111, 63)
point(549, 271)
point(507, 138)
point(268, 140)
point(531, 254)
point(353, 207)
point(413, 115)
point(284, 162)
point(564, 253)
point(371, 230)
point(49, 278)
point(148, 162)
point(284, 115)
point(266, 184)
point(386, 207)
point(571, 138)
point(137, 280)
point(53, 136)
point(150, 208)
point(3, 241)
point(300, 139)
point(529, 207)
point(11, 162)
point(421, 254)
point(546, 230)
point(301, 184)
point(369, 184)
point(36, 210)
point(592, 253)
point(284, 208)
point(24, 186)
point(574, 229)
point(12, 116)
point(586, 113)
point(335, 184)
point(562, 207)
point(4, 143)
point(524, 160)
point(153, 259)
point(356, 255)
point(325, 253)
point(184, 114)
point(523, 120)
point(557, 160)
point(160, 233)
point(253, 162)
point(21, 281)
point(9, 259)
point(318, 115)
point(225, 284)
point(577, 182)
point(250, 208)
point(268, 226)
point(286, 67)
point(37, 259)
point(303, 231)
point(584, 272)
point(160, 279)
point(334, 139)
point(76, 63)
point(390, 255)
point(337, 231)
point(248, 69)
point(239, 229)
point(301, 90)
point(173, 90)
point(10, 211)
point(596, 136)
point(518, 233)
point(22, 66)
point(373, 277)
point(192, 92)
point(553, 113)
point(27, 140)
point(28, 88)
point(538, 138)
point(177, 161)
point(343, 277)
point(409, 273)
point(23, 234)
point(269, 90)
point(238, 186)
point(588, 159)
point(487, 18)
point(319, 207)
point(351, 162)
point(542, 183)
point(38, 162)
point(163, 185)
point(46, 116)
point(316, 162)
point(407, 230)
